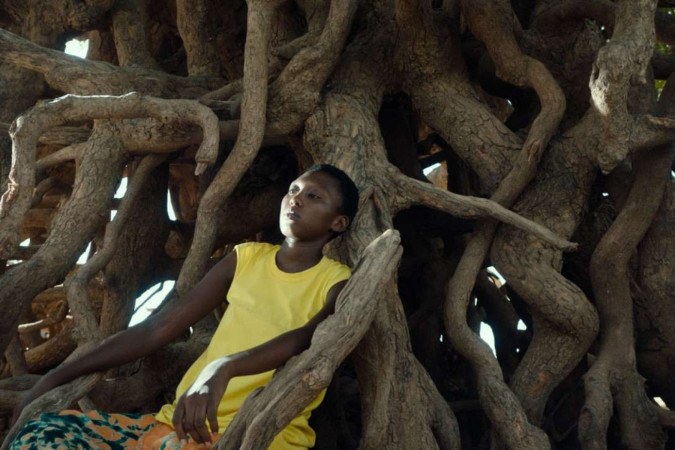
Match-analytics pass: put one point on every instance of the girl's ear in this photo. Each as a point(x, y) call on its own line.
point(340, 224)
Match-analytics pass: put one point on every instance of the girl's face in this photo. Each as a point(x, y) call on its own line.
point(310, 210)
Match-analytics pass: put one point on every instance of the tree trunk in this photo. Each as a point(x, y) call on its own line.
point(545, 107)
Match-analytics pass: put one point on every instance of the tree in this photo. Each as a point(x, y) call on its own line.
point(549, 108)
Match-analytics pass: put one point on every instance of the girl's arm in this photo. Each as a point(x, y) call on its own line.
point(200, 402)
point(140, 340)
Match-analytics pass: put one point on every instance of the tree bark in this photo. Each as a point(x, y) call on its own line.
point(546, 106)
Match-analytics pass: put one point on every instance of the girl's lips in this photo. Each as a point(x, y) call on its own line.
point(292, 215)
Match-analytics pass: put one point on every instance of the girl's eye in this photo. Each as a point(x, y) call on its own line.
point(312, 196)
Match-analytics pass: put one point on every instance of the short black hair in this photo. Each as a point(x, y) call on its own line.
point(349, 191)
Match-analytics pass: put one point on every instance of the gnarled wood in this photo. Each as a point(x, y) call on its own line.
point(344, 132)
point(613, 375)
point(500, 404)
point(475, 84)
point(249, 139)
point(28, 127)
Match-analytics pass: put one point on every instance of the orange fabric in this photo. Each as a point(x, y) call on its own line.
point(163, 437)
point(74, 429)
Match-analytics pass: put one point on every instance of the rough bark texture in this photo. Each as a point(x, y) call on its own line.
point(547, 107)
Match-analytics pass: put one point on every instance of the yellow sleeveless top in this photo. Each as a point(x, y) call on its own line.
point(264, 302)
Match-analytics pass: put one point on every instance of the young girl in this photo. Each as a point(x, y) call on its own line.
point(277, 295)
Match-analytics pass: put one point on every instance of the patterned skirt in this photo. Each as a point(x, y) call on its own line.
point(69, 430)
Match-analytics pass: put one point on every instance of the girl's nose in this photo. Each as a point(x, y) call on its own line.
point(294, 201)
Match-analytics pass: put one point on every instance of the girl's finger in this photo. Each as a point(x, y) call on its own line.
point(212, 415)
point(177, 419)
point(200, 420)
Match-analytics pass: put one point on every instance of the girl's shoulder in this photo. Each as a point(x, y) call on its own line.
point(254, 249)
point(335, 269)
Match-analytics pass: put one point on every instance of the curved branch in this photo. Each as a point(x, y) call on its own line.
point(87, 205)
point(143, 136)
point(656, 281)
point(419, 193)
point(87, 331)
point(498, 401)
point(561, 313)
point(493, 24)
point(27, 128)
point(318, 30)
point(44, 186)
point(249, 139)
point(289, 50)
point(613, 374)
point(265, 413)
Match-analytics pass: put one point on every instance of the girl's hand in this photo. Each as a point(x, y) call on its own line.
point(200, 403)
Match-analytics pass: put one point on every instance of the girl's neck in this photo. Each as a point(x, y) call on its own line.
point(296, 256)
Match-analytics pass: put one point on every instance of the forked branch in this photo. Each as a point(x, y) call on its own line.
point(419, 193)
